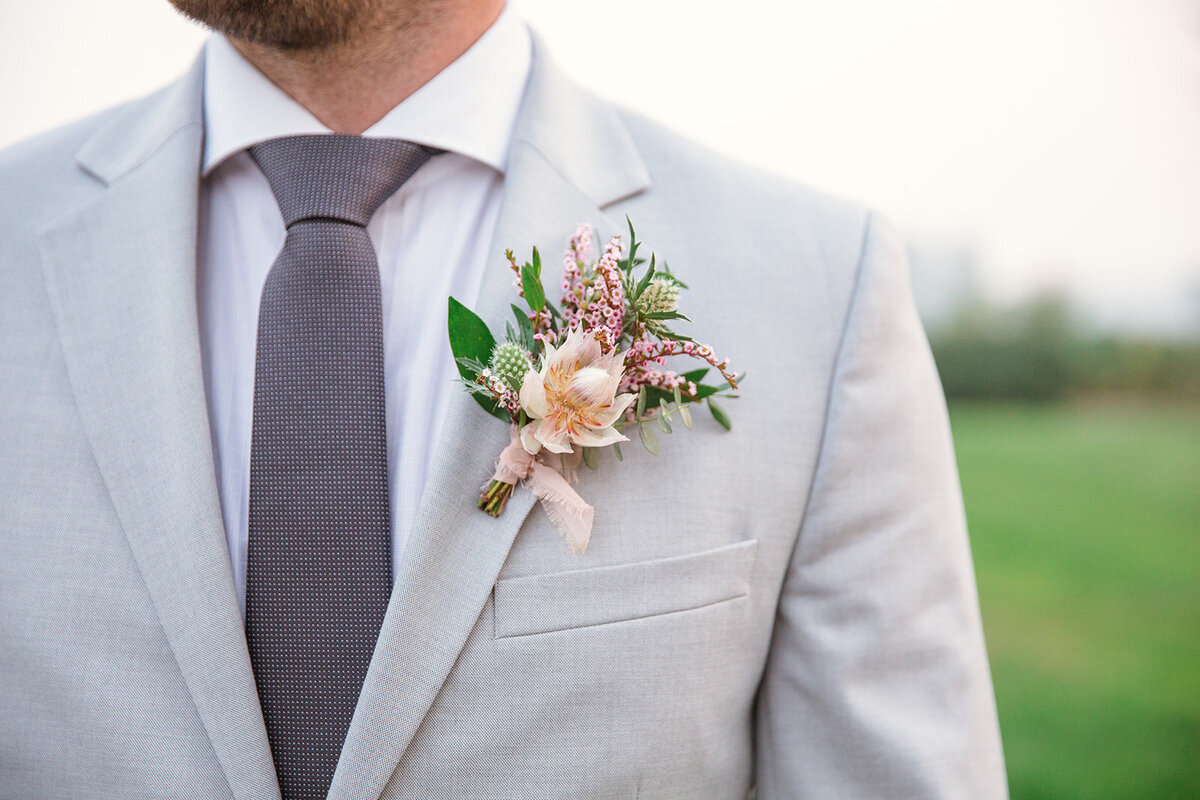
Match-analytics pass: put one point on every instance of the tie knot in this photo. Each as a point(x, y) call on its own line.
point(335, 176)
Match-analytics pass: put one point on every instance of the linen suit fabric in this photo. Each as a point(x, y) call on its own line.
point(789, 605)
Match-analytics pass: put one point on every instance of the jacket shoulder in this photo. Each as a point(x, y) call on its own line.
point(677, 162)
point(797, 234)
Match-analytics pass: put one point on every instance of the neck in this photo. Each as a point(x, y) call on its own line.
point(352, 85)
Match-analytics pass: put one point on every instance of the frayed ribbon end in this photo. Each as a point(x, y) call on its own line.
point(568, 512)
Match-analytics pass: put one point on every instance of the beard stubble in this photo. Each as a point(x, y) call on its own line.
point(297, 25)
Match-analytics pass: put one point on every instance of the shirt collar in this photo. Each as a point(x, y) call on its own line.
point(469, 107)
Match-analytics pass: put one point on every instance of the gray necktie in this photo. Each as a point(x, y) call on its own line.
point(318, 571)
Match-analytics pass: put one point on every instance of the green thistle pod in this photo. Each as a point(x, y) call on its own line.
point(509, 364)
point(660, 297)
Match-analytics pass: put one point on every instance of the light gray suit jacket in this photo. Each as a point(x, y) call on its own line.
point(790, 604)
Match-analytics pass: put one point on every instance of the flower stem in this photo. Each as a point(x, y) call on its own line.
point(495, 496)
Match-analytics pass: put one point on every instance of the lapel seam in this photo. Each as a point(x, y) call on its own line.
point(637, 188)
point(49, 227)
point(148, 156)
point(601, 204)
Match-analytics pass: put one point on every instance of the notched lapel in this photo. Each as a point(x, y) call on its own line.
point(121, 278)
point(455, 551)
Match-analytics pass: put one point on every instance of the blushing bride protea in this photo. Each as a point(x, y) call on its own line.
point(573, 399)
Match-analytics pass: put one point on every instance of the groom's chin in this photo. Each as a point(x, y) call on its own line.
point(287, 24)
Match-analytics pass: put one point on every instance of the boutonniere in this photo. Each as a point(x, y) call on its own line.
point(573, 379)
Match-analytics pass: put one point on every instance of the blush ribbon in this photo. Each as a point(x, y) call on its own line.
point(566, 509)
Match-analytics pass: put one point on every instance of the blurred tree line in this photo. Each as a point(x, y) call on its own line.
point(1038, 352)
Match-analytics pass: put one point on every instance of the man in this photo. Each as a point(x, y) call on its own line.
point(786, 609)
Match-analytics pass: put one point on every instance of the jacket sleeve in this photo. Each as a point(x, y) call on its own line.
point(877, 682)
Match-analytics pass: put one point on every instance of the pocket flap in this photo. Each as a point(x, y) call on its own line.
point(600, 595)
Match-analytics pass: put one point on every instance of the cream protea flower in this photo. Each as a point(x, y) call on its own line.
point(573, 399)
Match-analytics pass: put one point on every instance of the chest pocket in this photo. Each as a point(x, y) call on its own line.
point(620, 592)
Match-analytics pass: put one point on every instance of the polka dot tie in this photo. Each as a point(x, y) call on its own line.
point(318, 571)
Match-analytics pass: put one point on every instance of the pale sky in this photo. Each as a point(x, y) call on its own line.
point(1057, 138)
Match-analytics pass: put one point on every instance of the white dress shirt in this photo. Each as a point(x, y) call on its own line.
point(431, 238)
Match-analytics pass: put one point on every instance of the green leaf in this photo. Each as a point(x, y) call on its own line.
point(591, 456)
point(645, 281)
point(525, 327)
point(537, 264)
point(641, 402)
point(469, 335)
point(664, 315)
point(475, 367)
point(531, 284)
point(655, 395)
point(617, 452)
point(649, 438)
point(685, 414)
point(719, 415)
point(631, 260)
point(671, 275)
point(471, 339)
point(477, 389)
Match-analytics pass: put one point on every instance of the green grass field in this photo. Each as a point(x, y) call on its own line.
point(1085, 526)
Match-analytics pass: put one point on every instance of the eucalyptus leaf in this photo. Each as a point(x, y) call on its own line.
point(591, 456)
point(663, 423)
point(685, 414)
point(641, 403)
point(719, 415)
point(649, 438)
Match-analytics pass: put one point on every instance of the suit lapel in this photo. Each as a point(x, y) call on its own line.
point(120, 273)
point(570, 157)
